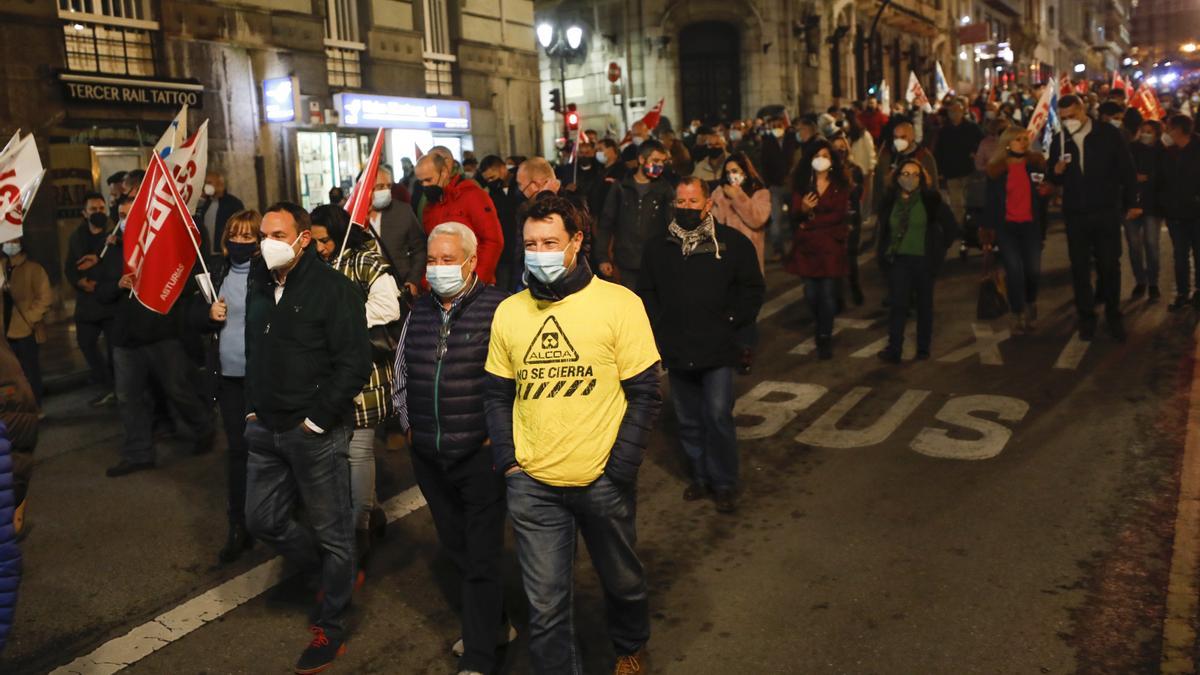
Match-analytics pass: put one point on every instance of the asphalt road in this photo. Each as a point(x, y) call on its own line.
point(1007, 507)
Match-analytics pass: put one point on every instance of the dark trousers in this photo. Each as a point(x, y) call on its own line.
point(290, 467)
point(909, 276)
point(703, 401)
point(231, 397)
point(823, 301)
point(87, 336)
point(466, 501)
point(1185, 247)
point(26, 351)
point(1021, 252)
point(545, 522)
point(853, 243)
point(1095, 236)
point(166, 364)
point(1142, 235)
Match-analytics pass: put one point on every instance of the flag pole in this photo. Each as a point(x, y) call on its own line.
point(360, 193)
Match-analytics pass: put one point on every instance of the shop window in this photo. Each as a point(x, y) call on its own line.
point(108, 36)
point(343, 44)
point(344, 67)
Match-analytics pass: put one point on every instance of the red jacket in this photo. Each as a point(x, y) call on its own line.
point(465, 202)
point(820, 243)
point(873, 122)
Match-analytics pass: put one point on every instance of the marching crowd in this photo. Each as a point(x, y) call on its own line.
point(513, 318)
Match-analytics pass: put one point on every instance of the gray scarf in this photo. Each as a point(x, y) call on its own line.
point(689, 240)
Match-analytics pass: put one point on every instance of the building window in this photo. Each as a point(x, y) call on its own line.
point(439, 61)
point(343, 44)
point(108, 36)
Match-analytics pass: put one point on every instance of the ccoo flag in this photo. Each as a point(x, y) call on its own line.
point(915, 94)
point(161, 240)
point(189, 164)
point(21, 174)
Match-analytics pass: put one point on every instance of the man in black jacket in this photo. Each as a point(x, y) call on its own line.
point(701, 285)
point(636, 209)
point(214, 210)
point(92, 317)
point(147, 349)
point(501, 186)
point(307, 357)
point(439, 386)
point(572, 396)
point(955, 156)
point(1179, 197)
point(1098, 183)
point(779, 147)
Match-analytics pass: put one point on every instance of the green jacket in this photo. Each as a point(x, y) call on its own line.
point(307, 356)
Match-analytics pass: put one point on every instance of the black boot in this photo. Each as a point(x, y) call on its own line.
point(824, 348)
point(378, 524)
point(238, 541)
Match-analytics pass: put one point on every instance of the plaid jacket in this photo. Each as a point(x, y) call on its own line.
point(374, 403)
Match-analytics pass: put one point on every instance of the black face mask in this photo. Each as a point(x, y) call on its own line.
point(98, 220)
point(496, 185)
point(586, 163)
point(688, 219)
point(434, 193)
point(1016, 155)
point(240, 252)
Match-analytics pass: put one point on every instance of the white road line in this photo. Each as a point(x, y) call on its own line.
point(118, 653)
point(1179, 638)
point(1072, 355)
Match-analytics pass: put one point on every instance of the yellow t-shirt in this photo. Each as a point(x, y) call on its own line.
point(568, 359)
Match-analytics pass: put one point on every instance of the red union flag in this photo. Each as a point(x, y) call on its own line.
point(1041, 113)
point(1065, 86)
point(188, 164)
point(160, 240)
point(359, 205)
point(1146, 103)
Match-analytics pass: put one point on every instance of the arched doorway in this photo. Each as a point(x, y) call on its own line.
point(710, 72)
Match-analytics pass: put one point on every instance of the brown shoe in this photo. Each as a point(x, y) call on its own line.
point(632, 665)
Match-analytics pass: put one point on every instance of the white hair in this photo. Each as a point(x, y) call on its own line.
point(464, 234)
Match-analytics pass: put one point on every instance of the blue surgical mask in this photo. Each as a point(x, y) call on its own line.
point(602, 157)
point(445, 280)
point(546, 266)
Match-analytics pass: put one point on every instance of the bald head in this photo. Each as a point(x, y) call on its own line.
point(535, 175)
point(433, 170)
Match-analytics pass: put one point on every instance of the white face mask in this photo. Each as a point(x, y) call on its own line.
point(900, 144)
point(1072, 125)
point(1116, 123)
point(602, 157)
point(1146, 139)
point(1168, 140)
point(121, 225)
point(546, 266)
point(778, 132)
point(278, 253)
point(638, 140)
point(381, 199)
point(445, 280)
point(11, 248)
point(821, 164)
point(209, 190)
point(735, 178)
point(735, 135)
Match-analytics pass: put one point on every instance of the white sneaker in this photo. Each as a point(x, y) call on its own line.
point(459, 649)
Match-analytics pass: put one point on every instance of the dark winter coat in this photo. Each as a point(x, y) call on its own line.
point(629, 220)
point(1107, 182)
point(135, 325)
point(1179, 192)
point(698, 304)
point(83, 242)
point(820, 240)
point(956, 143)
point(1148, 160)
point(940, 231)
point(445, 395)
point(308, 355)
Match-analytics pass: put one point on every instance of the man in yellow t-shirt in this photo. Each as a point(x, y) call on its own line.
point(573, 393)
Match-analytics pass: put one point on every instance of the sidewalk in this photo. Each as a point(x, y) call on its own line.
point(63, 365)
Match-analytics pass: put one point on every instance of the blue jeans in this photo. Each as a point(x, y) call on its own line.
point(1185, 244)
point(168, 364)
point(778, 228)
point(909, 275)
point(292, 467)
point(822, 300)
point(545, 522)
point(704, 407)
point(1021, 253)
point(1142, 235)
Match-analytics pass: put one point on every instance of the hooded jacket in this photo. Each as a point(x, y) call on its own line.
point(463, 201)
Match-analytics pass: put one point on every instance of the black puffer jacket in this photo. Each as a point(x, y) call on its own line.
point(445, 396)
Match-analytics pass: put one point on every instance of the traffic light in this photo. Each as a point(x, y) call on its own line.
point(556, 100)
point(572, 117)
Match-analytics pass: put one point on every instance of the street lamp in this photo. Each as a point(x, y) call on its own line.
point(562, 43)
point(1189, 47)
point(545, 35)
point(1079, 67)
point(574, 37)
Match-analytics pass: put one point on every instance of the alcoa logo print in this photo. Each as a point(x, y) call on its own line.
point(550, 345)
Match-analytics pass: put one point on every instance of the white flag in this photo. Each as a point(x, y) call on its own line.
point(174, 136)
point(11, 144)
point(188, 165)
point(915, 94)
point(21, 174)
point(885, 97)
point(940, 86)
